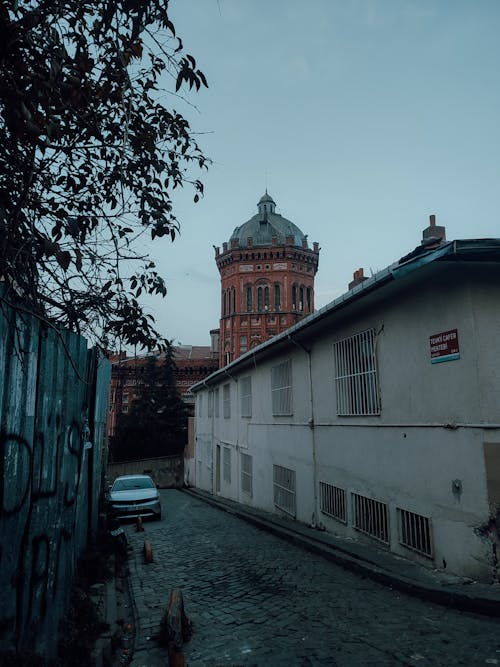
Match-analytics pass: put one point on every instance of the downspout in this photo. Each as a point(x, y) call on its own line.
point(314, 521)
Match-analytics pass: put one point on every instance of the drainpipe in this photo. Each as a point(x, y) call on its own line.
point(314, 522)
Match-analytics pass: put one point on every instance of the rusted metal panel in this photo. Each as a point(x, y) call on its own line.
point(46, 510)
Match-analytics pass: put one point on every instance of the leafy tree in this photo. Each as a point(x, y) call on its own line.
point(156, 424)
point(90, 154)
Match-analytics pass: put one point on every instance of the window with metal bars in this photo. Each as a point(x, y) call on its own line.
point(226, 401)
point(246, 396)
point(246, 474)
point(216, 402)
point(284, 489)
point(226, 464)
point(415, 532)
point(356, 378)
point(332, 501)
point(371, 517)
point(281, 388)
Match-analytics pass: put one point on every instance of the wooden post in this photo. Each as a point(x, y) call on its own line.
point(178, 628)
point(148, 552)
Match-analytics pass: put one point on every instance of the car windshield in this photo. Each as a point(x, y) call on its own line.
point(133, 483)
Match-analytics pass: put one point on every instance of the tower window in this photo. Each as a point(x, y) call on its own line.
point(308, 293)
point(266, 298)
point(301, 298)
point(259, 299)
point(249, 298)
point(294, 297)
point(277, 297)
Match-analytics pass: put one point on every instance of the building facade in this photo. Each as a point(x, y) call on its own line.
point(192, 364)
point(377, 418)
point(267, 280)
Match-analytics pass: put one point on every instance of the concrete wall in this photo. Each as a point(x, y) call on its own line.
point(167, 472)
point(424, 453)
point(51, 419)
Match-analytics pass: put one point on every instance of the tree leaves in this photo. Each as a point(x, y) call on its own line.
point(90, 154)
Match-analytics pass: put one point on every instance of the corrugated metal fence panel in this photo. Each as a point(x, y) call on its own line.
point(98, 454)
point(44, 477)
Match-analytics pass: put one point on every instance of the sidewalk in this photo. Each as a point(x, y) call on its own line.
point(383, 566)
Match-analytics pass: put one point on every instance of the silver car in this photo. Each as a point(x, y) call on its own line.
point(134, 495)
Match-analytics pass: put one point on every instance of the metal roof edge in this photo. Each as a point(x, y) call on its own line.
point(394, 271)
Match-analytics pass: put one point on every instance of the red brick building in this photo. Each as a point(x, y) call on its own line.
point(267, 280)
point(193, 363)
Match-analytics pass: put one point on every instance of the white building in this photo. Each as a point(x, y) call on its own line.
point(377, 417)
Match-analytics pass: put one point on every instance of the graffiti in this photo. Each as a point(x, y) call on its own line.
point(44, 494)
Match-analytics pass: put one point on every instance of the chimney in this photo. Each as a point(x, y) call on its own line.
point(434, 234)
point(358, 277)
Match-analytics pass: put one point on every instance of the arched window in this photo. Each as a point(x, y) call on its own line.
point(259, 299)
point(266, 298)
point(277, 297)
point(233, 295)
point(309, 294)
point(249, 298)
point(294, 297)
point(301, 298)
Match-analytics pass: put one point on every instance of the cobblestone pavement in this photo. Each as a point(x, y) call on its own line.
point(254, 599)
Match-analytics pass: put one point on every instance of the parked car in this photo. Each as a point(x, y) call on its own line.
point(131, 496)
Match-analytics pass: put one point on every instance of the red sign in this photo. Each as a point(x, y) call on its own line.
point(444, 346)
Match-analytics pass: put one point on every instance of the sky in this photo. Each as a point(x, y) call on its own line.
point(361, 117)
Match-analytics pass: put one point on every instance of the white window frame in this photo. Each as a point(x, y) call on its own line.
point(216, 403)
point(245, 386)
point(281, 389)
point(284, 489)
point(226, 401)
point(246, 469)
point(226, 464)
point(356, 375)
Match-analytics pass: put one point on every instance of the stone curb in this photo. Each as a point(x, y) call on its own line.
point(448, 595)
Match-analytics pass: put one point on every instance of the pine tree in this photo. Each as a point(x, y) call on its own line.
point(156, 424)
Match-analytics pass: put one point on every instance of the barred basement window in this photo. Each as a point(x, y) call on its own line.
point(246, 473)
point(415, 532)
point(226, 401)
point(371, 517)
point(284, 489)
point(281, 388)
point(332, 501)
point(226, 464)
point(356, 375)
point(246, 396)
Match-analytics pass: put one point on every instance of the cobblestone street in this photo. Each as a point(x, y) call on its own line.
point(255, 599)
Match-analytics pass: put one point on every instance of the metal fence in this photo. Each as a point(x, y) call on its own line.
point(53, 395)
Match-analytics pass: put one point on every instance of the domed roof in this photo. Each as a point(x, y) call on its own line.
point(266, 197)
point(265, 225)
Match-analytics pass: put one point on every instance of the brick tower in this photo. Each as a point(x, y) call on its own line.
point(267, 280)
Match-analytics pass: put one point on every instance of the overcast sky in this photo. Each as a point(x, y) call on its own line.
point(363, 117)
